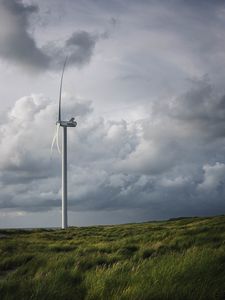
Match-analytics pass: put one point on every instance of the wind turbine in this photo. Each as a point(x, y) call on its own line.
point(64, 125)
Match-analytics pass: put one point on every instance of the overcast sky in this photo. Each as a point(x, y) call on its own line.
point(145, 82)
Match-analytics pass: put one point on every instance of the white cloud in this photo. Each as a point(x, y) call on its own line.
point(113, 165)
point(12, 214)
point(214, 177)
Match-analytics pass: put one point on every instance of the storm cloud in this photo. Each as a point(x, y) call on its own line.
point(18, 43)
point(171, 165)
point(150, 107)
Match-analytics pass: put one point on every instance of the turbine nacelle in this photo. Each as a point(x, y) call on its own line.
point(70, 123)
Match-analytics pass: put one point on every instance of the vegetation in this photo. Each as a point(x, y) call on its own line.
point(175, 259)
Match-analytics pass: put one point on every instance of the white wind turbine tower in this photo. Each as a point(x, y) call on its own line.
point(64, 125)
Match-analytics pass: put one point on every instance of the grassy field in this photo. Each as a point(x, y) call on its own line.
point(176, 259)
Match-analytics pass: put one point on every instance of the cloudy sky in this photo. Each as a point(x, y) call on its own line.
point(145, 82)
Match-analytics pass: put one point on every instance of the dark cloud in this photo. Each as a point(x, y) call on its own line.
point(202, 107)
point(79, 47)
point(19, 9)
point(18, 45)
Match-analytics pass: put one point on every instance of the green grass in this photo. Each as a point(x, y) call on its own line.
point(175, 259)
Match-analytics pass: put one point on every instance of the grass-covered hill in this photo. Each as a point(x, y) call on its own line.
point(176, 259)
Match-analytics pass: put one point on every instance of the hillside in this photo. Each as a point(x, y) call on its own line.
point(176, 259)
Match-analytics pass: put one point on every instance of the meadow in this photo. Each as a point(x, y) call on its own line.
point(176, 259)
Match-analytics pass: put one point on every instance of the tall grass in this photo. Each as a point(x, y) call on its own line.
point(175, 259)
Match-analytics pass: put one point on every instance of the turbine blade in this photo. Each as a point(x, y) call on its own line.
point(53, 140)
point(57, 137)
point(60, 90)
